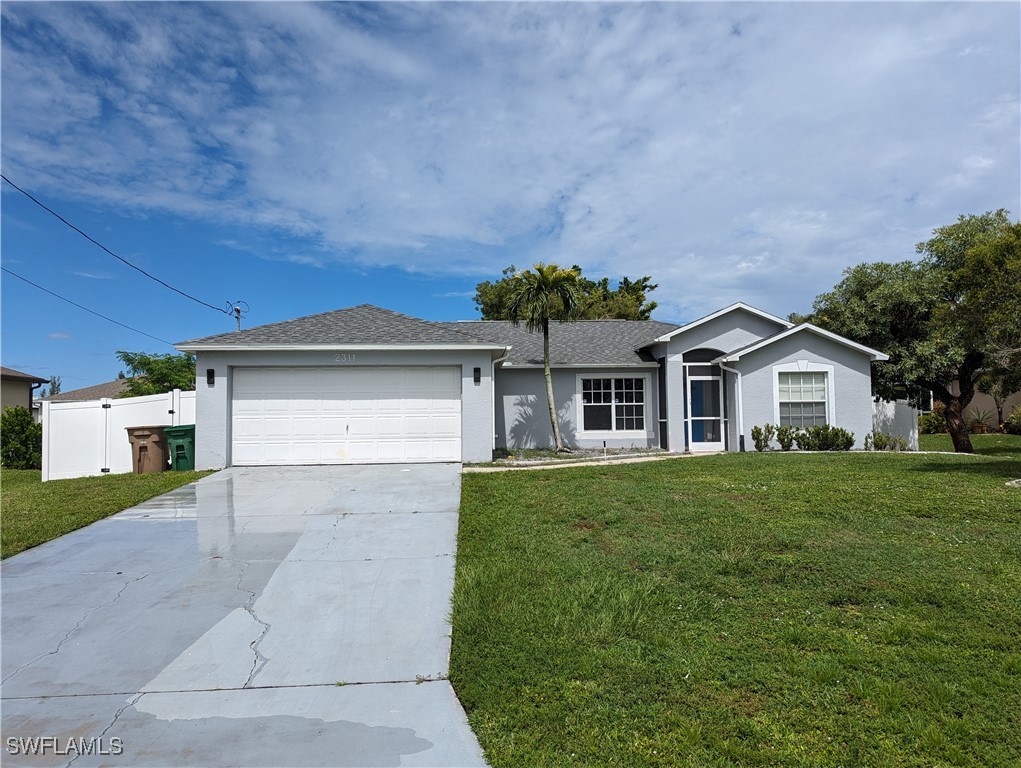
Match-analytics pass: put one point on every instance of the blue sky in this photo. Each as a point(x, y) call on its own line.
point(307, 157)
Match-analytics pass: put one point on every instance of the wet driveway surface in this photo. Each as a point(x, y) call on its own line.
point(260, 617)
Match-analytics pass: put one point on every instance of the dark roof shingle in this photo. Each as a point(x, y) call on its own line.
point(364, 324)
point(13, 375)
point(585, 342)
point(109, 389)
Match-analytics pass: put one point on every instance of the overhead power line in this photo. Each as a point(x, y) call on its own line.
point(63, 298)
point(100, 245)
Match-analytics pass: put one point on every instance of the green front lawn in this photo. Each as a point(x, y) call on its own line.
point(754, 609)
point(33, 511)
point(984, 445)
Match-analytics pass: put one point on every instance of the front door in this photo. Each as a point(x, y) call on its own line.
point(705, 413)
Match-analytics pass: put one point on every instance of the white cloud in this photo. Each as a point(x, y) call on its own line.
point(730, 151)
point(59, 336)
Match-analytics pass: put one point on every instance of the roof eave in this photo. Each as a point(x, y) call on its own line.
point(195, 347)
point(581, 365)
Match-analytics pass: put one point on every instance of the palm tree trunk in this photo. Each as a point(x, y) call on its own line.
point(557, 440)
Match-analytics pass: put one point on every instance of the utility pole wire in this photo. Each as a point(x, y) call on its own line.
point(62, 298)
point(100, 245)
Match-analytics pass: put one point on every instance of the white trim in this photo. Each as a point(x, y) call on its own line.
point(607, 434)
point(874, 355)
point(806, 366)
point(740, 405)
point(186, 347)
point(720, 313)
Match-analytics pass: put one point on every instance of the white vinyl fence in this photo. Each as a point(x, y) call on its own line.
point(896, 418)
point(90, 437)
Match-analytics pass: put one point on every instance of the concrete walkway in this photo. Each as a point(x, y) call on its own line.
point(260, 617)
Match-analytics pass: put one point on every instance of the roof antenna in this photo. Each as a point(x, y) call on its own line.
point(238, 309)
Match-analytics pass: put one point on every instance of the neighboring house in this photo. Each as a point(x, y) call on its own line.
point(366, 384)
point(16, 388)
point(109, 389)
point(982, 402)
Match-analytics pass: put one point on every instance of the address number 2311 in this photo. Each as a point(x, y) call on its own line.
point(344, 357)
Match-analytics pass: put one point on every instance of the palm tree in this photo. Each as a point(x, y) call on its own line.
point(546, 292)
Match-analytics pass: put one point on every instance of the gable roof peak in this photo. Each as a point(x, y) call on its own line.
point(736, 306)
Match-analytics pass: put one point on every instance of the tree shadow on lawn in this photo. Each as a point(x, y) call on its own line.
point(1005, 469)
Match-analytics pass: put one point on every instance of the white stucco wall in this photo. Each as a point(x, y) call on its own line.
point(213, 403)
point(522, 416)
point(852, 382)
point(896, 418)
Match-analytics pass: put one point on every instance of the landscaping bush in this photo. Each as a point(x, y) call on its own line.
point(785, 435)
point(824, 438)
point(21, 440)
point(762, 436)
point(880, 441)
point(1013, 423)
point(934, 422)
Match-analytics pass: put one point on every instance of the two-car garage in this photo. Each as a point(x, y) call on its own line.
point(361, 385)
point(345, 415)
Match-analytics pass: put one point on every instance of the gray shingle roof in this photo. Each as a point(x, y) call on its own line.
point(364, 324)
point(586, 342)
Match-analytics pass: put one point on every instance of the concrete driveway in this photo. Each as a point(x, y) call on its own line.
point(259, 617)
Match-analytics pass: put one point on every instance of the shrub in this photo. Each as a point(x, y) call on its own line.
point(785, 434)
point(897, 443)
point(934, 422)
point(1013, 422)
point(21, 440)
point(880, 441)
point(762, 436)
point(824, 438)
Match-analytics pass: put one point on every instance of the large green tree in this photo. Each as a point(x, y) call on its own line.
point(540, 295)
point(946, 319)
point(597, 299)
point(154, 374)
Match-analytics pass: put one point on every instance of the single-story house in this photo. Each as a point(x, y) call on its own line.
point(16, 388)
point(366, 384)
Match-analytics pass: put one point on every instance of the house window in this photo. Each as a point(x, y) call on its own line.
point(802, 399)
point(613, 405)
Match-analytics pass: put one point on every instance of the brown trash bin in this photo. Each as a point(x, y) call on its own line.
point(148, 449)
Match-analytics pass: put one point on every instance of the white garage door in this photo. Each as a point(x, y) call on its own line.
point(346, 415)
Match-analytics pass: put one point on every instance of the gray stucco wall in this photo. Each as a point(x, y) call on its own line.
point(522, 417)
point(213, 403)
point(852, 382)
point(725, 333)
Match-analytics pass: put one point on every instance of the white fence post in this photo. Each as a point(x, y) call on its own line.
point(46, 441)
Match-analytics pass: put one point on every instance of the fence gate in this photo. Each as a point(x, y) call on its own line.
point(90, 438)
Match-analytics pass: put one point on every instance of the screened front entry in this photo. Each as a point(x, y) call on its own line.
point(705, 413)
point(706, 418)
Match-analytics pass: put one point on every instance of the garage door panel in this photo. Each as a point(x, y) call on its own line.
point(361, 426)
point(346, 415)
point(389, 426)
